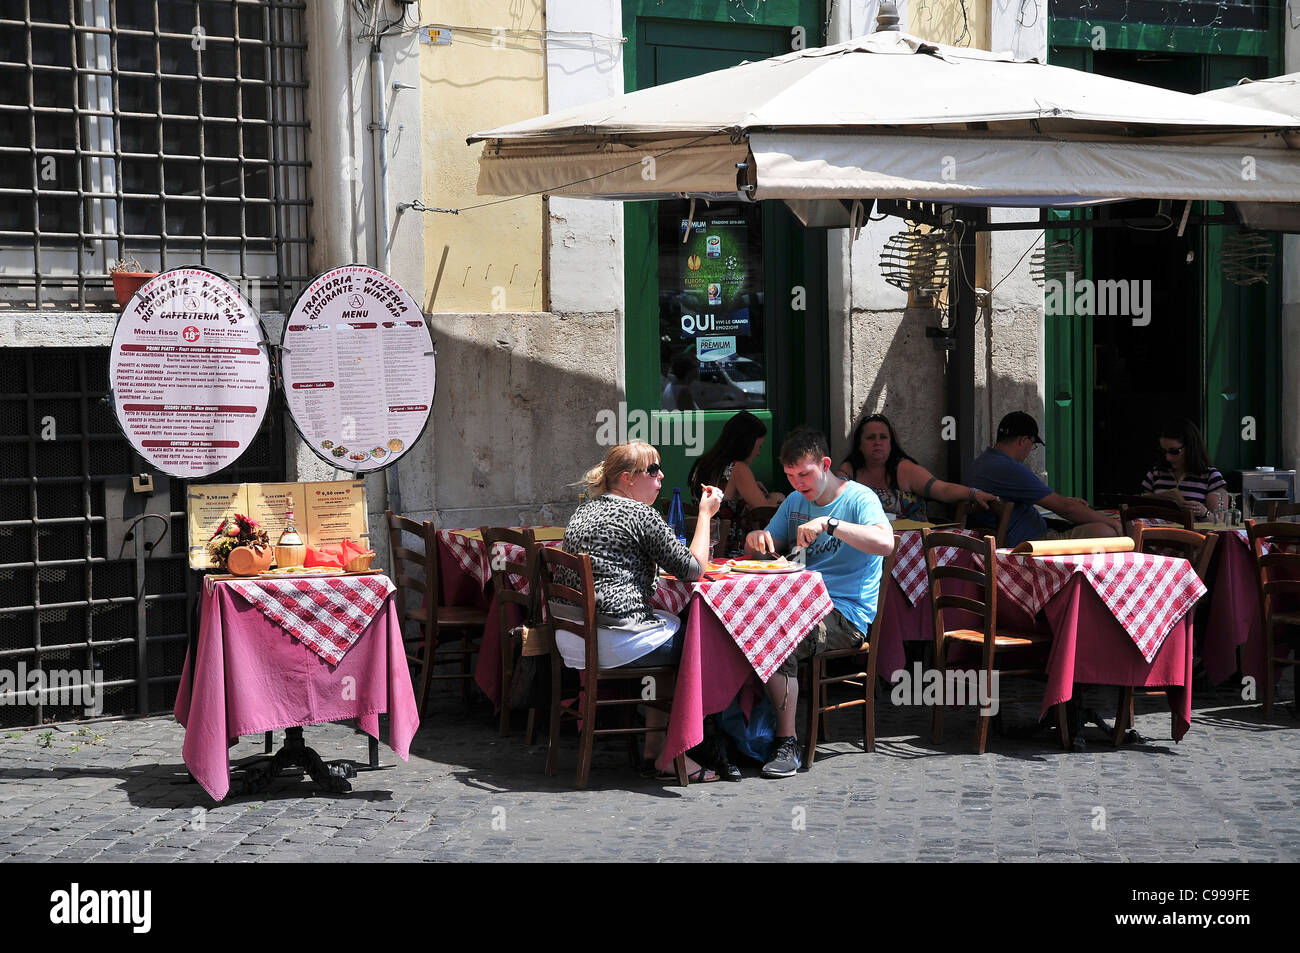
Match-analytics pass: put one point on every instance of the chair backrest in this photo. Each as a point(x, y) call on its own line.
point(757, 517)
point(882, 595)
point(1278, 509)
point(1162, 511)
point(497, 543)
point(986, 579)
point(1196, 548)
point(582, 595)
point(1002, 509)
point(413, 570)
point(1279, 570)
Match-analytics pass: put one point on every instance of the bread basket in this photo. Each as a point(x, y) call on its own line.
point(359, 563)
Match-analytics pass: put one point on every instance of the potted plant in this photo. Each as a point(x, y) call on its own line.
point(129, 277)
point(241, 546)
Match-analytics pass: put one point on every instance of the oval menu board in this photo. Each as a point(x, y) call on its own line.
point(190, 376)
point(357, 363)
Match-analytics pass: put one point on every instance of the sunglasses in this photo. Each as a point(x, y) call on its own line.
point(1172, 451)
point(653, 470)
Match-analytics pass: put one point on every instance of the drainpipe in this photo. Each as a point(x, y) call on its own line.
point(379, 145)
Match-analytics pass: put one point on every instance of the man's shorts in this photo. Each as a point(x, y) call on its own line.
point(831, 633)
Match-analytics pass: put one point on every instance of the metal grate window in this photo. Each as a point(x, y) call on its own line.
point(69, 600)
point(169, 131)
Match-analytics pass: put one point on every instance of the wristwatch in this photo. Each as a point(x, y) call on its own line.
point(832, 525)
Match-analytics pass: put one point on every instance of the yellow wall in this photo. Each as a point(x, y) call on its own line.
point(492, 73)
point(954, 22)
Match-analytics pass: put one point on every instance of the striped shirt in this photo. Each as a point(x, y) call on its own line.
point(1194, 487)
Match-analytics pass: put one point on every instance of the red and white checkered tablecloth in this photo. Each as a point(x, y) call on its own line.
point(470, 553)
point(909, 562)
point(767, 615)
point(1146, 594)
point(472, 556)
point(671, 594)
point(327, 614)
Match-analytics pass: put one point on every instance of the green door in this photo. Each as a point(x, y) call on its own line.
point(726, 305)
point(1206, 352)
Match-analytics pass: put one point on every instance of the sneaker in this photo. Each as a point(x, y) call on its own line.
point(785, 760)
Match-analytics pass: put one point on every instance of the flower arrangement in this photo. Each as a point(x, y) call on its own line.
point(237, 530)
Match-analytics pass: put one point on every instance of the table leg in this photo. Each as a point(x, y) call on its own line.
point(259, 774)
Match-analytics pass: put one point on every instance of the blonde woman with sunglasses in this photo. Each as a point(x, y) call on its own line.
point(629, 542)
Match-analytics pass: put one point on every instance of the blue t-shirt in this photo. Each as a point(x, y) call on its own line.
point(852, 577)
point(994, 472)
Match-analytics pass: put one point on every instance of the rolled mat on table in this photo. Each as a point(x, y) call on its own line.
point(1074, 547)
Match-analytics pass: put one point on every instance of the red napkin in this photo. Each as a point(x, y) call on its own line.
point(351, 551)
point(331, 555)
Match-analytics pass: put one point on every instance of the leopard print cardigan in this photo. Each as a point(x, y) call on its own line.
point(627, 542)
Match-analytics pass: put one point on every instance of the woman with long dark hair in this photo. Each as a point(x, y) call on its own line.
point(727, 465)
point(877, 460)
point(1184, 473)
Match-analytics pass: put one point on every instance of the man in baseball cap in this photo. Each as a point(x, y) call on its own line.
point(1019, 424)
point(1001, 470)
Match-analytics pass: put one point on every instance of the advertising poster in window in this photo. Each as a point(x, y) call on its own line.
point(711, 307)
point(358, 368)
point(190, 374)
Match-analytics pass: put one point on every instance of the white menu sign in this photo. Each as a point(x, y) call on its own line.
point(190, 376)
point(358, 368)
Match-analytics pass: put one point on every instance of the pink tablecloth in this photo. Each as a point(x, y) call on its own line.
point(1090, 645)
point(715, 663)
point(1091, 648)
point(251, 676)
point(1236, 616)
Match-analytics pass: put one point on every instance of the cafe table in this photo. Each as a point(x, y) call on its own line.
point(464, 572)
point(1235, 618)
point(1115, 618)
point(279, 653)
point(740, 628)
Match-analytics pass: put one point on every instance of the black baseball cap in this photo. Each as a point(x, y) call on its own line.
point(1019, 424)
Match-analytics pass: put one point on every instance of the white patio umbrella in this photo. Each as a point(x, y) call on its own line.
point(891, 116)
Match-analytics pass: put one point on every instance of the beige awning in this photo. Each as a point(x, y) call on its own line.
point(890, 116)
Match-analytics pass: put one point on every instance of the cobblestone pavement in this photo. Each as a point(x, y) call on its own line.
point(117, 790)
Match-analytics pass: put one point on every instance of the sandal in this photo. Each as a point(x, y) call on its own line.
point(701, 775)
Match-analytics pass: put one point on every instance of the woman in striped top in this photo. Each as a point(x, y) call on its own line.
point(1185, 475)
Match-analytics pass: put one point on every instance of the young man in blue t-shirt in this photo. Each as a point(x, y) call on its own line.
point(844, 530)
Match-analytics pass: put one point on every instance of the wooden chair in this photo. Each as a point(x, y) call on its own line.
point(863, 678)
point(1168, 511)
point(757, 517)
point(417, 572)
point(1002, 509)
point(1279, 591)
point(583, 597)
point(1197, 549)
point(506, 596)
point(992, 638)
point(1277, 510)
